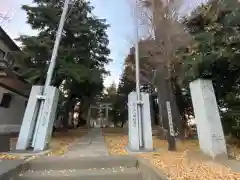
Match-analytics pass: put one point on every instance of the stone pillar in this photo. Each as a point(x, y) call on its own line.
point(147, 122)
point(133, 130)
point(209, 127)
point(46, 120)
point(29, 119)
point(37, 124)
point(133, 124)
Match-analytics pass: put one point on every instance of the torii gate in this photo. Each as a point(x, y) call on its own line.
point(101, 121)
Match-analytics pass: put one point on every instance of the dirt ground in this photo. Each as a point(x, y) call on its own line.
point(176, 165)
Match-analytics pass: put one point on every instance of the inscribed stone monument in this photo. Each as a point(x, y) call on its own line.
point(139, 131)
point(133, 129)
point(37, 125)
point(209, 127)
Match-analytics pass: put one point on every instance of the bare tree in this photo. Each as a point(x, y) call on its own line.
point(159, 20)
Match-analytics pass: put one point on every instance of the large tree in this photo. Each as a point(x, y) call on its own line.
point(215, 54)
point(167, 34)
point(83, 51)
point(125, 86)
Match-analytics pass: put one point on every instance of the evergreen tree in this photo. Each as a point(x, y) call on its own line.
point(215, 54)
point(83, 51)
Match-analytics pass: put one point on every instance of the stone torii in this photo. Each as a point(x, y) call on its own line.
point(100, 106)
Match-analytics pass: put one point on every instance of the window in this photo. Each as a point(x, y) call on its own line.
point(10, 60)
point(2, 54)
point(6, 99)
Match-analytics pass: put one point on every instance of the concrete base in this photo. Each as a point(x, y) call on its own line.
point(221, 159)
point(5, 142)
point(9, 169)
point(141, 150)
point(26, 153)
point(150, 172)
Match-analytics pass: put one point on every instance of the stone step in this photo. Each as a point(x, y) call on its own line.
point(85, 174)
point(56, 163)
point(11, 168)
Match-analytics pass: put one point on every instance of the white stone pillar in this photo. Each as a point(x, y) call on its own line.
point(133, 130)
point(209, 127)
point(133, 124)
point(46, 120)
point(29, 120)
point(147, 122)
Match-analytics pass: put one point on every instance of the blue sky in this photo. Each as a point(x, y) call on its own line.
point(117, 13)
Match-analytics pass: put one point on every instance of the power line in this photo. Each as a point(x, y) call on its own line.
point(5, 18)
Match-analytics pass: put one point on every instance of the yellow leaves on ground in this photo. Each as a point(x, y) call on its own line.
point(63, 140)
point(6, 156)
point(116, 144)
point(177, 165)
point(9, 156)
point(59, 144)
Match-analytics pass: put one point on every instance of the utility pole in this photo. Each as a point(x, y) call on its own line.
point(52, 62)
point(40, 113)
point(140, 130)
point(56, 45)
point(139, 102)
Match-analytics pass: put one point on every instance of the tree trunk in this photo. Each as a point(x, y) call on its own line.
point(122, 124)
point(72, 116)
point(180, 107)
point(79, 118)
point(88, 119)
point(166, 96)
point(85, 108)
point(155, 111)
point(160, 122)
point(68, 108)
point(57, 82)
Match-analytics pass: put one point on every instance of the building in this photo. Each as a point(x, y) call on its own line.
point(14, 90)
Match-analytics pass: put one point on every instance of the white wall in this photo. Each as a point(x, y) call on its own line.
point(11, 118)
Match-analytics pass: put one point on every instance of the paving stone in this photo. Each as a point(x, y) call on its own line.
point(92, 144)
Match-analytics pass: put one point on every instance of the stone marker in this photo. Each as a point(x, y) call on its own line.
point(209, 127)
point(133, 130)
point(37, 125)
point(29, 119)
point(147, 122)
point(46, 120)
point(137, 129)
